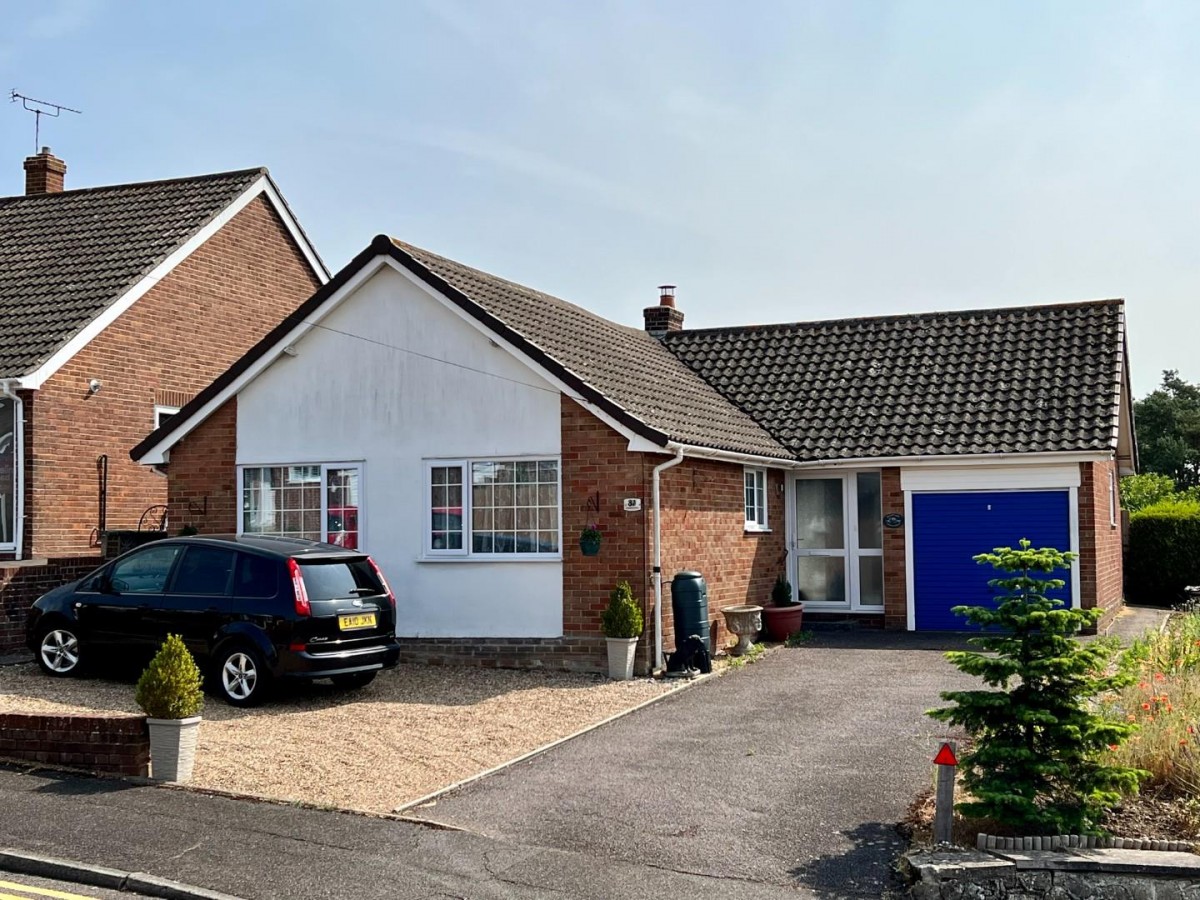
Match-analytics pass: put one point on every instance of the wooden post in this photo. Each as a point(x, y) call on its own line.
point(943, 815)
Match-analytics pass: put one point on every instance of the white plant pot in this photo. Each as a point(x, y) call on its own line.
point(621, 653)
point(173, 748)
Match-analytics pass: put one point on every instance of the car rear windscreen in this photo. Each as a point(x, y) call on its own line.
point(339, 579)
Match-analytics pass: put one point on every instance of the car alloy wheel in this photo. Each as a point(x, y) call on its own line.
point(240, 675)
point(58, 652)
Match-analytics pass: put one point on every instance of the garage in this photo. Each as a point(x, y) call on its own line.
point(950, 527)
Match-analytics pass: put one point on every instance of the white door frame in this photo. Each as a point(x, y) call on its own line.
point(988, 479)
point(850, 552)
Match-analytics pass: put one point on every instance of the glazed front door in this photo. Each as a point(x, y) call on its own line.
point(838, 541)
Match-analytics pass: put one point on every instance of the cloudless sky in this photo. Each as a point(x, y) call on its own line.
point(779, 161)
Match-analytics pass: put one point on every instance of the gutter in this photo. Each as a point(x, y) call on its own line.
point(18, 511)
point(658, 626)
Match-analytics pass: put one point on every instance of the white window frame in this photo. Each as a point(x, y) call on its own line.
point(163, 410)
point(1112, 497)
point(325, 467)
point(761, 521)
point(466, 553)
point(18, 484)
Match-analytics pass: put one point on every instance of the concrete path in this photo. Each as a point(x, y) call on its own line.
point(792, 771)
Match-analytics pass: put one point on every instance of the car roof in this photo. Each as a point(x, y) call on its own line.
point(283, 547)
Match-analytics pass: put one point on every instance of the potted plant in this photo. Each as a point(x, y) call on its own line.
point(589, 540)
point(169, 693)
point(622, 625)
point(782, 618)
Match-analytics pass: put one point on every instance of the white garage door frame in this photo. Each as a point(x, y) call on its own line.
point(921, 480)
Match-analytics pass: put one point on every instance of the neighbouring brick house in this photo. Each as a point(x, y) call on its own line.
point(119, 304)
point(470, 428)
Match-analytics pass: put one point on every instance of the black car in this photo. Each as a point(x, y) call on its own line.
point(250, 608)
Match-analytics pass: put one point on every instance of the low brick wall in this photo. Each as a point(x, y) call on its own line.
point(23, 582)
point(118, 745)
point(565, 654)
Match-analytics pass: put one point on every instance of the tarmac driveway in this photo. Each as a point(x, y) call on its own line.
point(792, 771)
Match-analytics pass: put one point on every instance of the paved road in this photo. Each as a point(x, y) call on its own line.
point(792, 771)
point(782, 780)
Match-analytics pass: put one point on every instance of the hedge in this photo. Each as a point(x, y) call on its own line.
point(1164, 552)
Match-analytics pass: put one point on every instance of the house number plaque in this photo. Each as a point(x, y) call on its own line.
point(893, 520)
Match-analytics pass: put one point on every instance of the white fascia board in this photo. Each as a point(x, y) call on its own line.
point(637, 443)
point(991, 478)
point(731, 456)
point(294, 229)
point(262, 185)
point(977, 459)
point(159, 454)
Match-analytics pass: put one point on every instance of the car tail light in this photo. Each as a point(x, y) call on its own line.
point(383, 581)
point(299, 591)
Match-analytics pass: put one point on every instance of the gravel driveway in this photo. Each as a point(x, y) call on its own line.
point(413, 730)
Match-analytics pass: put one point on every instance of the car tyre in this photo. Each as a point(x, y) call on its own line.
point(239, 676)
point(58, 652)
point(353, 680)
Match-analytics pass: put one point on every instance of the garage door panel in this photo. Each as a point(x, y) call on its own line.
point(950, 528)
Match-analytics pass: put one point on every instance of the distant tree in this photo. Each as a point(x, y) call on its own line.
point(1140, 491)
point(1168, 430)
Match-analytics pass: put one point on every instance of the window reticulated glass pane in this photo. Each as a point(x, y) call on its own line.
point(820, 521)
point(445, 519)
point(870, 511)
point(821, 579)
point(870, 580)
point(514, 507)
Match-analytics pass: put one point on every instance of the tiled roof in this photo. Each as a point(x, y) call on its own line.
point(626, 365)
point(66, 257)
point(1030, 379)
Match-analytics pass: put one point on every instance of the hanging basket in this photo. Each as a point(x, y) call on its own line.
point(589, 545)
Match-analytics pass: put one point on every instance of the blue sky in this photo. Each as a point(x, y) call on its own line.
point(778, 161)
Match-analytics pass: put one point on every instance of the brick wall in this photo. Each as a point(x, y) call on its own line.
point(1101, 575)
point(203, 475)
point(117, 745)
point(703, 529)
point(22, 583)
point(171, 343)
point(895, 584)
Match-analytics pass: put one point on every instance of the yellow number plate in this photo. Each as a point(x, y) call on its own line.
point(358, 620)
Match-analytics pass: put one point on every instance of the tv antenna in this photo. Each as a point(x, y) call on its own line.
point(40, 108)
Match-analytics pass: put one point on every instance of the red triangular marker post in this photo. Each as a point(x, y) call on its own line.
point(945, 756)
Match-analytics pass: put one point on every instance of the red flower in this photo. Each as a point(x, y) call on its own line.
point(1113, 746)
point(1145, 706)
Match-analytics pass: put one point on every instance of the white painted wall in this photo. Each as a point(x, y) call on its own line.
point(391, 378)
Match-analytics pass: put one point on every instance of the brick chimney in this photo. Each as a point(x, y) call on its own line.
point(44, 173)
point(664, 317)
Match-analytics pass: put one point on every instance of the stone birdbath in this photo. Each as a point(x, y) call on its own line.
point(745, 621)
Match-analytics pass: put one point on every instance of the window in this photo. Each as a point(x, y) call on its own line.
point(8, 472)
point(1112, 498)
point(756, 499)
point(145, 572)
point(257, 576)
point(204, 570)
point(316, 502)
point(164, 414)
point(493, 508)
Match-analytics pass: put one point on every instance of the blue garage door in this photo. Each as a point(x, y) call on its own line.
point(949, 529)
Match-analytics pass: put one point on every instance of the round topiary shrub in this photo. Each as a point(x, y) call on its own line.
point(170, 687)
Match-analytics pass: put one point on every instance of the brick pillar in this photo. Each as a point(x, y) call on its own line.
point(44, 173)
point(895, 579)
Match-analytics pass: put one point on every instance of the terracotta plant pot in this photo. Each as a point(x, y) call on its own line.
point(782, 621)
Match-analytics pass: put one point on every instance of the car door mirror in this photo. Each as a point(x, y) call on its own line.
point(103, 584)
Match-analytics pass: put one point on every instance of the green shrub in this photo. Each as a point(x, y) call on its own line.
point(1036, 761)
point(623, 617)
point(1140, 491)
point(781, 592)
point(170, 688)
point(1164, 552)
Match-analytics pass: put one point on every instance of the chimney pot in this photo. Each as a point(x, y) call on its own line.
point(44, 173)
point(666, 295)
